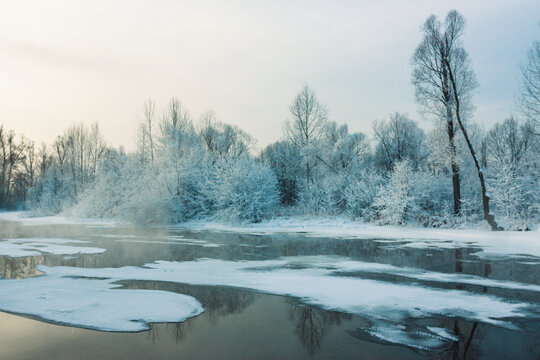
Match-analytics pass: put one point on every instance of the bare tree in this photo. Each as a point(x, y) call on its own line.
point(11, 158)
point(223, 140)
point(459, 72)
point(530, 85)
point(146, 132)
point(433, 88)
point(305, 126)
point(175, 121)
point(508, 142)
point(30, 163)
point(398, 139)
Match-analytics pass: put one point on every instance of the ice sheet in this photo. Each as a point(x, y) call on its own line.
point(39, 246)
point(94, 303)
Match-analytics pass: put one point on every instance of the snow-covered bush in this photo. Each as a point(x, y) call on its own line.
point(285, 161)
point(360, 193)
point(243, 190)
point(394, 202)
point(515, 197)
point(322, 196)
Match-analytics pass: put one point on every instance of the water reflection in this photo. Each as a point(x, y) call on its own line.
point(312, 324)
point(19, 268)
point(177, 331)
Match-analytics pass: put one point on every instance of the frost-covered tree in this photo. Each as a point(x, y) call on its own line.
point(398, 139)
point(394, 202)
point(285, 161)
point(510, 197)
point(508, 143)
point(360, 192)
point(146, 133)
point(439, 51)
point(442, 67)
point(342, 158)
point(304, 128)
point(77, 155)
point(242, 189)
point(343, 150)
point(530, 84)
point(223, 140)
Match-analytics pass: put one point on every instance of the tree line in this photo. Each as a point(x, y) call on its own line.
point(184, 169)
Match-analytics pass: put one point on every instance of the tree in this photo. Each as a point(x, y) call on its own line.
point(12, 155)
point(223, 140)
point(305, 126)
point(459, 72)
point(284, 159)
point(175, 126)
point(342, 149)
point(433, 89)
point(394, 201)
point(146, 141)
point(530, 84)
point(72, 169)
point(508, 142)
point(398, 139)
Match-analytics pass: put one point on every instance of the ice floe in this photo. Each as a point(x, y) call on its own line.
point(40, 246)
point(384, 304)
point(94, 303)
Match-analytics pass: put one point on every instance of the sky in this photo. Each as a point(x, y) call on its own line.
point(66, 61)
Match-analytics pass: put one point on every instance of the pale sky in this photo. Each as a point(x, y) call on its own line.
point(70, 61)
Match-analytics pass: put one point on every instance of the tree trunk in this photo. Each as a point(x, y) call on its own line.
point(485, 199)
point(454, 167)
point(451, 138)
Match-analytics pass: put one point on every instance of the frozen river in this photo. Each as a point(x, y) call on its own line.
point(90, 291)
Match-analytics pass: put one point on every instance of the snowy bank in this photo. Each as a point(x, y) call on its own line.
point(26, 218)
point(490, 243)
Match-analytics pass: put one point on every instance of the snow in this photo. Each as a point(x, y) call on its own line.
point(38, 246)
point(398, 334)
point(93, 303)
point(490, 244)
point(177, 240)
point(343, 265)
point(323, 286)
point(443, 332)
point(26, 219)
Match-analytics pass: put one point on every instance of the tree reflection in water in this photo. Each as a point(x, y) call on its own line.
point(19, 268)
point(312, 324)
point(218, 302)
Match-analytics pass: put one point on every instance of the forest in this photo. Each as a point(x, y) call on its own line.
point(185, 167)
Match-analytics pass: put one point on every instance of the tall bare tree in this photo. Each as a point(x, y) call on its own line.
point(146, 132)
point(433, 88)
point(305, 126)
point(443, 76)
point(530, 85)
